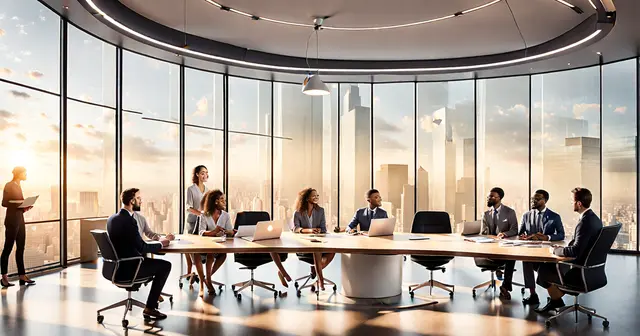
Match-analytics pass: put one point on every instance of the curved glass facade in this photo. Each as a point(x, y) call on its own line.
point(127, 120)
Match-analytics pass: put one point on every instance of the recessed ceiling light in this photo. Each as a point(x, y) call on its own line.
point(199, 54)
point(568, 63)
point(599, 53)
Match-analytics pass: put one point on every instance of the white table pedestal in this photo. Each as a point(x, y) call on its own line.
point(370, 276)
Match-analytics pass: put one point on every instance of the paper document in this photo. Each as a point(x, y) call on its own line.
point(480, 239)
point(29, 201)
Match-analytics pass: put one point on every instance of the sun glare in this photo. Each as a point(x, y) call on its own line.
point(21, 157)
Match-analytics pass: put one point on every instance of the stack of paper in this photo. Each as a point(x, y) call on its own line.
point(480, 239)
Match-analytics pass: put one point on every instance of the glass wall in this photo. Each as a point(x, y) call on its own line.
point(446, 149)
point(502, 140)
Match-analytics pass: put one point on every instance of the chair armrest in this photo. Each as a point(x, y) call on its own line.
point(580, 266)
point(140, 259)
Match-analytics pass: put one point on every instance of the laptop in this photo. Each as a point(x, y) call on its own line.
point(381, 227)
point(262, 231)
point(471, 228)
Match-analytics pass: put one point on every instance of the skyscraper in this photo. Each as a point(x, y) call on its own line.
point(390, 181)
point(423, 189)
point(406, 204)
point(89, 205)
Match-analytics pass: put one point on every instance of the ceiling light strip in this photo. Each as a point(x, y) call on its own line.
point(404, 25)
point(565, 3)
point(329, 70)
point(593, 5)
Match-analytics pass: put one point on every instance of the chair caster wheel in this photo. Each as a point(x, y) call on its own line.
point(295, 284)
point(298, 293)
point(171, 299)
point(473, 293)
point(589, 317)
point(547, 324)
point(335, 288)
point(239, 296)
point(451, 295)
point(605, 324)
point(522, 290)
point(443, 270)
point(125, 324)
point(275, 294)
point(100, 318)
point(233, 287)
point(313, 288)
point(180, 285)
point(220, 287)
point(411, 294)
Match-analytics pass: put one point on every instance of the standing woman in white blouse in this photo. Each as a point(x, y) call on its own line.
point(214, 222)
point(194, 196)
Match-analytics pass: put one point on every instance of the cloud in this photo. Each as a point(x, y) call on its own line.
point(6, 72)
point(25, 53)
point(620, 109)
point(385, 142)
point(5, 123)
point(2, 32)
point(382, 125)
point(35, 74)
point(55, 128)
point(21, 137)
point(580, 109)
point(5, 114)
point(142, 150)
point(520, 108)
point(78, 126)
point(19, 94)
point(202, 106)
point(426, 123)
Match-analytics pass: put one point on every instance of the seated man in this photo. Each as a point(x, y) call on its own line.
point(585, 236)
point(541, 223)
point(143, 227)
point(127, 242)
point(363, 216)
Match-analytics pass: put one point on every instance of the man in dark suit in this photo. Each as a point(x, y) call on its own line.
point(364, 215)
point(127, 242)
point(541, 223)
point(585, 236)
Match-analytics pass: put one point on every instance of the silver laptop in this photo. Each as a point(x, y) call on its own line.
point(261, 231)
point(381, 227)
point(471, 228)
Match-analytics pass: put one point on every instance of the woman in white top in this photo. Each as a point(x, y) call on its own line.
point(214, 221)
point(195, 192)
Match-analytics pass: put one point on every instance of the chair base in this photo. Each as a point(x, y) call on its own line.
point(240, 286)
point(431, 284)
point(314, 285)
point(575, 308)
point(128, 305)
point(493, 283)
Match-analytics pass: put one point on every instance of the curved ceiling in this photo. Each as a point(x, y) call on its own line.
point(504, 26)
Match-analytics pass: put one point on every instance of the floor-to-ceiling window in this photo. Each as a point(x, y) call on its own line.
point(150, 139)
point(619, 145)
point(90, 132)
point(502, 141)
point(30, 121)
point(250, 120)
point(446, 149)
point(355, 148)
point(393, 150)
point(565, 138)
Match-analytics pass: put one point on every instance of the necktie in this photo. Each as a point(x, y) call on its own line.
point(495, 221)
point(539, 222)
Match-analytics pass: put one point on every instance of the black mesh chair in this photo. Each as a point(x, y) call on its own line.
point(110, 266)
point(308, 258)
point(251, 261)
point(431, 222)
point(586, 277)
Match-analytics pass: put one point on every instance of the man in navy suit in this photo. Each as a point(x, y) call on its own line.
point(127, 242)
point(364, 215)
point(585, 236)
point(541, 223)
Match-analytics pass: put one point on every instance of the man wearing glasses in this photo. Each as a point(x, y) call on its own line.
point(541, 223)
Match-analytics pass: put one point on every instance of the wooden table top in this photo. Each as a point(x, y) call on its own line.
point(399, 243)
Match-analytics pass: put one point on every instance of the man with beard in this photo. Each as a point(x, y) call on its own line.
point(500, 220)
point(127, 242)
point(541, 223)
point(585, 236)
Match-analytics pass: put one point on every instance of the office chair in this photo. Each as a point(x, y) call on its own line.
point(587, 277)
point(431, 222)
point(110, 266)
point(308, 258)
point(251, 261)
point(492, 266)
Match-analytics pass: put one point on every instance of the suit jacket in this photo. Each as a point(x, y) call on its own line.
point(301, 220)
point(551, 224)
point(360, 217)
point(14, 215)
point(585, 237)
point(125, 237)
point(507, 222)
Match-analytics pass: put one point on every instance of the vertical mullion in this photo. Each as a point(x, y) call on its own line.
point(530, 140)
point(225, 133)
point(338, 160)
point(371, 169)
point(475, 148)
point(272, 142)
point(415, 147)
point(118, 125)
point(63, 140)
point(181, 206)
point(601, 140)
point(637, 152)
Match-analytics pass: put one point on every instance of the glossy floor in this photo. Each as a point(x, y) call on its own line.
point(65, 303)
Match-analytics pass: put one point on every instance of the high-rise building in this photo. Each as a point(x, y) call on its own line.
point(390, 180)
point(406, 204)
point(423, 189)
point(55, 201)
point(89, 204)
point(444, 160)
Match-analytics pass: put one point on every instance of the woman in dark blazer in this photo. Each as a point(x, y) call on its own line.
point(14, 227)
point(309, 219)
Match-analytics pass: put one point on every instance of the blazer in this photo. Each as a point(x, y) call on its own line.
point(301, 220)
point(206, 223)
point(360, 217)
point(507, 222)
point(585, 237)
point(194, 196)
point(127, 242)
point(14, 215)
point(551, 224)
point(143, 227)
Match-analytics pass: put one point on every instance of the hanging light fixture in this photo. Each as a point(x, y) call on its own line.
point(312, 84)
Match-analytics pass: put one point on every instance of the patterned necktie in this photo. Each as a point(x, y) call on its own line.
point(539, 221)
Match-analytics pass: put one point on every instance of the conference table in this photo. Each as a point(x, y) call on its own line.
point(371, 266)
